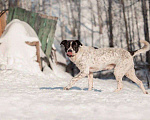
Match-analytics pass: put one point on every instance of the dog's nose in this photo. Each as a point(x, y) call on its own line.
point(69, 50)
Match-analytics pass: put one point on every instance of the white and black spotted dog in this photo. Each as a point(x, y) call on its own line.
point(89, 60)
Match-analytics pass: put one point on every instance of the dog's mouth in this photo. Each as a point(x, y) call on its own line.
point(69, 54)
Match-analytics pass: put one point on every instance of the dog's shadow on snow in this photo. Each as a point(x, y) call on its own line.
point(73, 88)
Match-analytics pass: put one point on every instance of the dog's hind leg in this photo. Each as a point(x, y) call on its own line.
point(119, 83)
point(119, 72)
point(131, 75)
point(118, 77)
point(90, 77)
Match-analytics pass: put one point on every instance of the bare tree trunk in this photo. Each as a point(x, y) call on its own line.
point(78, 3)
point(149, 8)
point(29, 5)
point(68, 13)
point(73, 19)
point(4, 4)
point(106, 20)
point(1, 5)
point(51, 3)
point(111, 44)
point(146, 30)
point(99, 17)
point(92, 13)
point(133, 36)
point(92, 34)
point(13, 3)
point(121, 28)
point(61, 7)
point(145, 19)
point(44, 10)
point(125, 21)
point(138, 32)
point(100, 21)
point(92, 20)
point(129, 28)
point(69, 17)
point(36, 7)
point(41, 5)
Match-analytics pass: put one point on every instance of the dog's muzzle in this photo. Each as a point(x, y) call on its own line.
point(69, 53)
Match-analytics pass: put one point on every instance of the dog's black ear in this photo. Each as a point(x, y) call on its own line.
point(64, 42)
point(78, 42)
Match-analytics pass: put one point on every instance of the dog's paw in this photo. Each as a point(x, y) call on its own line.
point(146, 92)
point(117, 90)
point(65, 88)
point(90, 89)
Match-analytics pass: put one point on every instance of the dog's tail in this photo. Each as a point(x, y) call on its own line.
point(144, 49)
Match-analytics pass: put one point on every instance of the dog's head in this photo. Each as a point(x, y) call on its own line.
point(71, 47)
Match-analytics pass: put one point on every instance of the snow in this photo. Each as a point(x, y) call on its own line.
point(14, 52)
point(29, 96)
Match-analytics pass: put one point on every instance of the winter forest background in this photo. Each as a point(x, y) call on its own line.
point(98, 23)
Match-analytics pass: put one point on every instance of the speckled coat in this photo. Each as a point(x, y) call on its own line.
point(89, 60)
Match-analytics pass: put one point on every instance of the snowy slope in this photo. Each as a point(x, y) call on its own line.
point(26, 96)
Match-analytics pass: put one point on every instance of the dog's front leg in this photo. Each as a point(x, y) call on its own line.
point(75, 79)
point(90, 77)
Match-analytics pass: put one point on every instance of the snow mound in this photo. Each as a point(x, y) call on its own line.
point(14, 52)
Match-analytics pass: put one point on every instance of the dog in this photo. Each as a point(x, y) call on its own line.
point(90, 59)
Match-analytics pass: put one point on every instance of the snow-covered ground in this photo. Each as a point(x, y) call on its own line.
point(25, 96)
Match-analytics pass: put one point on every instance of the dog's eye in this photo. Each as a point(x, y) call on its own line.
point(68, 45)
point(75, 46)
